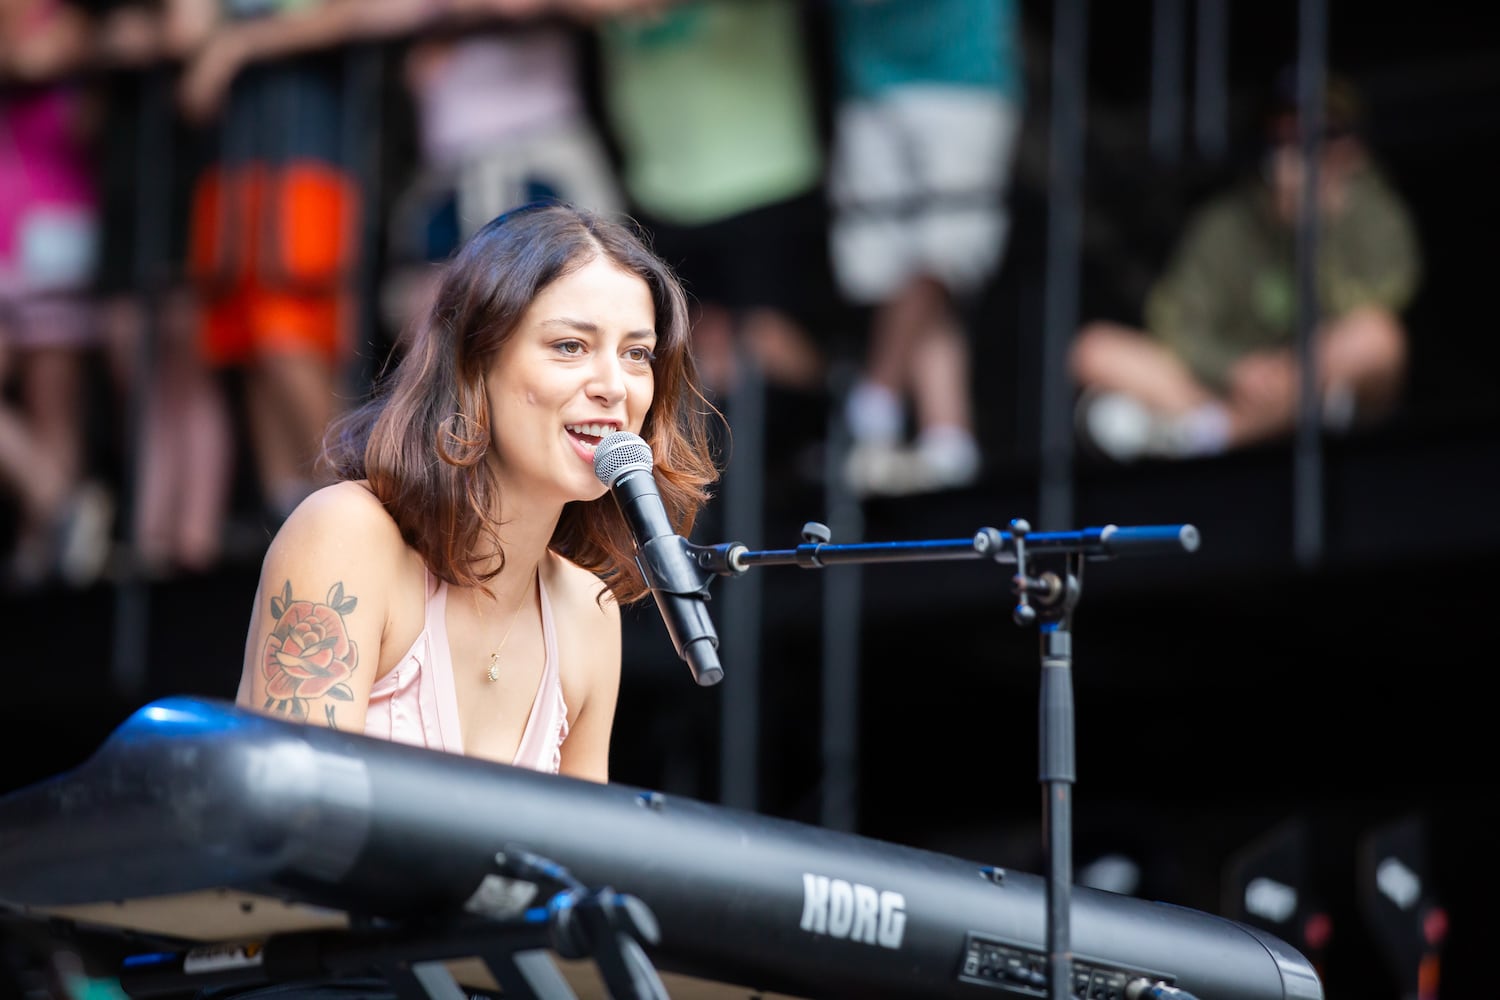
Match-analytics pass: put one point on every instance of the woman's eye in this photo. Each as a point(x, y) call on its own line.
point(570, 347)
point(640, 355)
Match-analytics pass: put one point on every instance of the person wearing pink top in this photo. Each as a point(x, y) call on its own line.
point(458, 587)
point(48, 249)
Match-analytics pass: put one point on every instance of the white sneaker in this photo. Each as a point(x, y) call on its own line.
point(1123, 428)
point(1116, 424)
point(870, 467)
point(85, 541)
point(951, 457)
point(891, 470)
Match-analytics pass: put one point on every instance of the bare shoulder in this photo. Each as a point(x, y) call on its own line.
point(587, 624)
point(329, 583)
point(340, 512)
point(580, 600)
point(587, 620)
point(342, 534)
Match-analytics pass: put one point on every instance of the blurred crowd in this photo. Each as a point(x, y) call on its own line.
point(217, 218)
point(211, 238)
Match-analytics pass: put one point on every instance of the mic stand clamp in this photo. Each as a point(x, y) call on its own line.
point(678, 574)
point(716, 560)
point(1047, 599)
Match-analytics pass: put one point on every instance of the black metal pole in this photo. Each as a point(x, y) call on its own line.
point(1307, 500)
point(1057, 775)
point(842, 597)
point(1064, 212)
point(132, 610)
point(744, 514)
point(1211, 72)
point(360, 150)
point(1168, 31)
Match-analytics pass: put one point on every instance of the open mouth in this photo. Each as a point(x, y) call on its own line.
point(589, 435)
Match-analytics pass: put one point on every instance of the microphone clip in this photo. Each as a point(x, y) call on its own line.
point(670, 565)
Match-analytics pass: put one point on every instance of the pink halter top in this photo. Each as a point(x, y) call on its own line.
point(416, 702)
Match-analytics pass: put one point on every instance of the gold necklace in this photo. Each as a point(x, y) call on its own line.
point(494, 672)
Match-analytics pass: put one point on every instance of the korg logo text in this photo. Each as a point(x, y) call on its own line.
point(849, 910)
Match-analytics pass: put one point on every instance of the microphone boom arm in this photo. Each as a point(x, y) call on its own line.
point(1099, 543)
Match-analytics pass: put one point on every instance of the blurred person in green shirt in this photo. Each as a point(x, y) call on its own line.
point(1216, 366)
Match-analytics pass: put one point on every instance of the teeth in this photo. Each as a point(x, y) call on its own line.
point(590, 430)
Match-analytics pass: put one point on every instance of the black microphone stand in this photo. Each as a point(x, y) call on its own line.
point(1046, 599)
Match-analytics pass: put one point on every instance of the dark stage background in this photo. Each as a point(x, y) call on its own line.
point(1221, 695)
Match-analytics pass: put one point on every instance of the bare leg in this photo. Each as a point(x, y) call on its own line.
point(938, 362)
point(1361, 368)
point(782, 349)
point(52, 393)
point(1268, 409)
point(24, 468)
point(41, 454)
point(1365, 350)
point(1140, 398)
point(713, 347)
point(919, 353)
point(1117, 358)
point(876, 406)
point(291, 398)
point(123, 325)
point(898, 326)
point(187, 453)
point(208, 459)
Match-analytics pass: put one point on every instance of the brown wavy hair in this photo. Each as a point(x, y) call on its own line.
point(422, 438)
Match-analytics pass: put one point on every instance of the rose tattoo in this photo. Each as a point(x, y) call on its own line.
point(308, 654)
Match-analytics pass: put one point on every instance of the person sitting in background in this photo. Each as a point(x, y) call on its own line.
point(459, 586)
point(1216, 366)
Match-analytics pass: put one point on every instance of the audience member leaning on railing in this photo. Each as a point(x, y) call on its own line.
point(251, 276)
point(83, 246)
point(49, 226)
point(276, 215)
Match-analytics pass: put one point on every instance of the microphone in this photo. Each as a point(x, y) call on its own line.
point(623, 462)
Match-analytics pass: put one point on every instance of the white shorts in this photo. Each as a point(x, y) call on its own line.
point(918, 182)
point(568, 159)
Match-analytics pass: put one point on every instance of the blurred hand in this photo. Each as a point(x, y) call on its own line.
point(600, 9)
point(1265, 380)
point(130, 36)
point(59, 46)
point(208, 74)
point(518, 9)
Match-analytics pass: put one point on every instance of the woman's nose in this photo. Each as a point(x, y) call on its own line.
point(607, 380)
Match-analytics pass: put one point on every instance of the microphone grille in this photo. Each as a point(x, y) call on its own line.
point(618, 453)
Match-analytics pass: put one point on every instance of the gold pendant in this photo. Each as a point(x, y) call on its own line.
point(494, 672)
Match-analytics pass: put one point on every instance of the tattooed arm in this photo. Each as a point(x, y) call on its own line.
point(321, 610)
